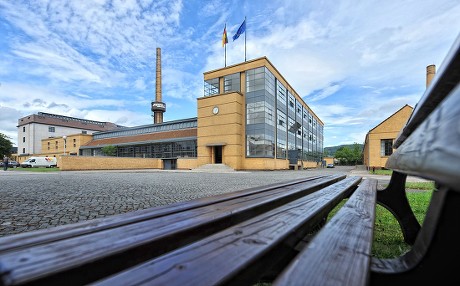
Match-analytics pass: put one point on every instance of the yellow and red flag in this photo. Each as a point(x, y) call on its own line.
point(224, 37)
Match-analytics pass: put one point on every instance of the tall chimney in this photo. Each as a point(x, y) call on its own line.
point(158, 107)
point(430, 72)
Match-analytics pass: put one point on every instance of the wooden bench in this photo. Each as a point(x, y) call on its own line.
point(275, 233)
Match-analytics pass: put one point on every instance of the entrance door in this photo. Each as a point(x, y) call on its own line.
point(217, 154)
point(169, 164)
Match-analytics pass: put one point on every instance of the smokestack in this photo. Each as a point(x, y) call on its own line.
point(158, 107)
point(430, 72)
point(158, 77)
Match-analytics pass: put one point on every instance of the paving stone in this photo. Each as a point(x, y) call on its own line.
point(59, 198)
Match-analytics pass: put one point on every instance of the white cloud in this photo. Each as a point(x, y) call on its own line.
point(353, 63)
point(140, 84)
point(326, 92)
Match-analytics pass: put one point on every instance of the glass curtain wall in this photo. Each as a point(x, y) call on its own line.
point(305, 145)
point(270, 134)
point(232, 82)
point(298, 120)
point(292, 128)
point(179, 149)
point(281, 131)
point(260, 113)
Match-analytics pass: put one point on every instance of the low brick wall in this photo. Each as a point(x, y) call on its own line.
point(74, 163)
point(79, 163)
point(187, 163)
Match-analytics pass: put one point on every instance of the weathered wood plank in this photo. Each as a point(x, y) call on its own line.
point(231, 255)
point(433, 150)
point(27, 239)
point(446, 79)
point(101, 253)
point(340, 253)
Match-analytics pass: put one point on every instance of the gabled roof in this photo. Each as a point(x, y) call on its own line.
point(407, 105)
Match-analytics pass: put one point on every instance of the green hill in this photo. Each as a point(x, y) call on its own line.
point(330, 151)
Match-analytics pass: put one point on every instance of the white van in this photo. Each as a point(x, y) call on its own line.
point(48, 162)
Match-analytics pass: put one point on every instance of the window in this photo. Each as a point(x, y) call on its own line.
point(51, 129)
point(299, 108)
point(386, 147)
point(281, 93)
point(281, 120)
point(259, 144)
point(23, 150)
point(74, 140)
point(23, 139)
point(255, 79)
point(84, 132)
point(23, 129)
point(211, 86)
point(291, 102)
point(232, 82)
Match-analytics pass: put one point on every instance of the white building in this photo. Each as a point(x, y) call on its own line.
point(33, 128)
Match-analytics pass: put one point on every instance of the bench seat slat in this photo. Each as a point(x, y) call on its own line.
point(340, 253)
point(227, 255)
point(114, 248)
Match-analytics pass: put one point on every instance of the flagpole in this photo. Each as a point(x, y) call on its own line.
point(245, 37)
point(225, 44)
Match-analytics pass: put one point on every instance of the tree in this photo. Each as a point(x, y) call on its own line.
point(5, 145)
point(109, 150)
point(343, 154)
point(349, 156)
point(357, 153)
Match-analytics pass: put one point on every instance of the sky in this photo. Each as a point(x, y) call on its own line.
point(354, 63)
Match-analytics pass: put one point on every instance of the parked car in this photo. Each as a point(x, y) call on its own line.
point(330, 166)
point(11, 164)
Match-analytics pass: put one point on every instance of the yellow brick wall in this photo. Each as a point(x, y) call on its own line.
point(72, 163)
point(265, 164)
point(309, 165)
point(71, 146)
point(226, 127)
point(388, 129)
point(187, 163)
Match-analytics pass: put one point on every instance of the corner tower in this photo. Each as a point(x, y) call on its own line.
point(158, 107)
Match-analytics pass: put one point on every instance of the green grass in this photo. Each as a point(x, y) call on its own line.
point(420, 186)
point(388, 239)
point(428, 186)
point(381, 172)
point(36, 170)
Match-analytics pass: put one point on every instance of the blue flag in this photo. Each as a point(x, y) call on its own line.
point(240, 31)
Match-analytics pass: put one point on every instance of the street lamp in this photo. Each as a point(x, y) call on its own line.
point(65, 142)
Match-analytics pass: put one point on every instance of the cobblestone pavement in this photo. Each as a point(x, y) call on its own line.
point(31, 201)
